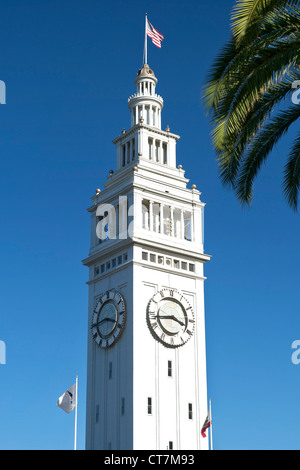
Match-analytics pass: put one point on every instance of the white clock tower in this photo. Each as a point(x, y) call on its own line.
point(146, 378)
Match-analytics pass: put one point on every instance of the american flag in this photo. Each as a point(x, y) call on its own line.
point(154, 34)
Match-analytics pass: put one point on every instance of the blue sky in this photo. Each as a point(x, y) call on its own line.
point(69, 67)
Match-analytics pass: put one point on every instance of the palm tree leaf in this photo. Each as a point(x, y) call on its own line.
point(260, 148)
point(270, 68)
point(247, 15)
point(240, 100)
point(214, 82)
point(230, 86)
point(250, 78)
point(291, 183)
point(236, 144)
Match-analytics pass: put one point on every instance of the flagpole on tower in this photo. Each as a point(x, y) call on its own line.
point(145, 48)
point(75, 426)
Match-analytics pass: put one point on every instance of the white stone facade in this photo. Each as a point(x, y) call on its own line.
point(142, 394)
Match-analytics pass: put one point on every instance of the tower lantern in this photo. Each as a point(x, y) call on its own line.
point(145, 102)
point(145, 140)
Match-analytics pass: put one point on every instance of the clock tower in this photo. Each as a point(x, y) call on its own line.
point(146, 376)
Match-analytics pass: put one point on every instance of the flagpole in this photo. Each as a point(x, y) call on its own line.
point(75, 427)
point(211, 438)
point(145, 50)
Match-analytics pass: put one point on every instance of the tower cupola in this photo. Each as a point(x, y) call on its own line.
point(145, 103)
point(145, 139)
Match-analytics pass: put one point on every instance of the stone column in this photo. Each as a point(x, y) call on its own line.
point(172, 221)
point(182, 224)
point(151, 216)
point(161, 216)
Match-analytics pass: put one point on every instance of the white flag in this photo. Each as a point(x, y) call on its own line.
point(68, 400)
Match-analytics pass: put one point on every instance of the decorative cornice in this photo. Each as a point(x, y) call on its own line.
point(136, 127)
point(138, 97)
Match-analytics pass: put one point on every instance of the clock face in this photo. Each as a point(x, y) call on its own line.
point(108, 319)
point(170, 318)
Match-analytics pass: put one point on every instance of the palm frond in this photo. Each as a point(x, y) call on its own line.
point(236, 144)
point(214, 86)
point(260, 148)
point(247, 16)
point(291, 183)
point(236, 86)
point(249, 79)
point(270, 68)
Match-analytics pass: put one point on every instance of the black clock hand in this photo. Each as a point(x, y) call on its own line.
point(178, 321)
point(165, 317)
point(170, 317)
point(106, 319)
